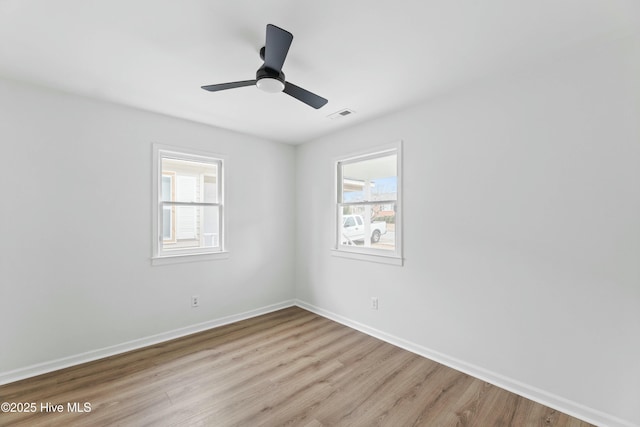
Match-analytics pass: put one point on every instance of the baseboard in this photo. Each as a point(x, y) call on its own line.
point(65, 362)
point(543, 397)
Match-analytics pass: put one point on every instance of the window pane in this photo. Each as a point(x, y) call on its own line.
point(196, 227)
point(193, 181)
point(167, 220)
point(371, 225)
point(187, 188)
point(370, 180)
point(167, 187)
point(210, 189)
point(211, 227)
point(186, 222)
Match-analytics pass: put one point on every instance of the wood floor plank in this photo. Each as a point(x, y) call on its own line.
point(286, 368)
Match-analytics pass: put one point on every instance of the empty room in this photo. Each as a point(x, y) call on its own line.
point(337, 213)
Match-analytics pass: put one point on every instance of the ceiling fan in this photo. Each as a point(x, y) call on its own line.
point(270, 77)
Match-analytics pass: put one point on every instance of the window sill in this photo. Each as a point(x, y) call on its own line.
point(380, 259)
point(178, 259)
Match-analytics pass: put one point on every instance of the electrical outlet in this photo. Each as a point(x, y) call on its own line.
point(195, 301)
point(374, 303)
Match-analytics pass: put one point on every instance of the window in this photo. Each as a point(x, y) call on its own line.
point(188, 204)
point(368, 206)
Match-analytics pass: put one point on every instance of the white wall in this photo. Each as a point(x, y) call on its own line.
point(522, 231)
point(75, 227)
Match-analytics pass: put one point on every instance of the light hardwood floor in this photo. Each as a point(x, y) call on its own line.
point(287, 368)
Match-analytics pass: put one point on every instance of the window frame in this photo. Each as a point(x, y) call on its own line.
point(160, 257)
point(384, 256)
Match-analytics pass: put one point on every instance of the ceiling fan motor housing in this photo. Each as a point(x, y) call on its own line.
point(269, 80)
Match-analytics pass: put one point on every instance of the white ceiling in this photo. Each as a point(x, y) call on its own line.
point(371, 57)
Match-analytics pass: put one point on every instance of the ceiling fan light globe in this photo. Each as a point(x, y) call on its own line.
point(270, 85)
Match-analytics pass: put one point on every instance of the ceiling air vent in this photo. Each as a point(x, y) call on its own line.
point(340, 114)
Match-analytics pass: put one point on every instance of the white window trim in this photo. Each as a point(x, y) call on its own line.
point(187, 255)
point(362, 253)
point(182, 258)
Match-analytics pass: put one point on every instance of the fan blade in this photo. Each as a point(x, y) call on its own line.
point(276, 47)
point(223, 86)
point(304, 95)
